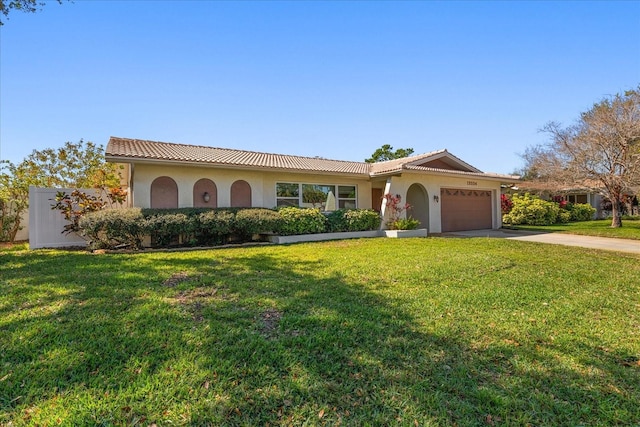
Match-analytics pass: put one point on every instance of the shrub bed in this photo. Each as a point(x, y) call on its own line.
point(532, 210)
point(112, 228)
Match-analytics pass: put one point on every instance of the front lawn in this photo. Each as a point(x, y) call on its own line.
point(630, 228)
point(429, 332)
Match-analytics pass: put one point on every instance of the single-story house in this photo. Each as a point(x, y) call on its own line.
point(591, 193)
point(445, 192)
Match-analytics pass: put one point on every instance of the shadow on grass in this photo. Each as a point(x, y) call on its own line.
point(260, 339)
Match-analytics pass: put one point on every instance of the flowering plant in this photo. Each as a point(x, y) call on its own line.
point(506, 203)
point(395, 209)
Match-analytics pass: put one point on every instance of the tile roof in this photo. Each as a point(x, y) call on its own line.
point(120, 149)
point(397, 164)
point(125, 149)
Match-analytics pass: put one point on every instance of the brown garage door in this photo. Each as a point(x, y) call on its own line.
point(465, 209)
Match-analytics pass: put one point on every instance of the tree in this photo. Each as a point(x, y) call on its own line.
point(386, 153)
point(79, 165)
point(600, 152)
point(27, 6)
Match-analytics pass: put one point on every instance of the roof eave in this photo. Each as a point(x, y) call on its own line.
point(458, 174)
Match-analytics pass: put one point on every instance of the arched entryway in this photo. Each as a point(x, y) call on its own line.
point(164, 193)
point(418, 198)
point(240, 194)
point(205, 194)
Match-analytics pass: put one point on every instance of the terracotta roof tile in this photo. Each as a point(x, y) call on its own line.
point(119, 149)
point(124, 149)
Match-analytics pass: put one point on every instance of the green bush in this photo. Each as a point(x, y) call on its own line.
point(353, 220)
point(214, 226)
point(301, 221)
point(256, 221)
point(582, 212)
point(112, 228)
point(564, 216)
point(531, 210)
point(167, 228)
point(406, 224)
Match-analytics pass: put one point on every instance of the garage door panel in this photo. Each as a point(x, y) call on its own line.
point(465, 209)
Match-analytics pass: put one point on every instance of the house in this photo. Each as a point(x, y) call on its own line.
point(591, 193)
point(446, 193)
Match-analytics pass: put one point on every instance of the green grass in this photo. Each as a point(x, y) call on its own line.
point(630, 228)
point(430, 332)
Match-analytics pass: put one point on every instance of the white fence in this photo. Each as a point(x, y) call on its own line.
point(46, 224)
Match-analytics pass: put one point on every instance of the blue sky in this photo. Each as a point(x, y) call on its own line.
point(332, 79)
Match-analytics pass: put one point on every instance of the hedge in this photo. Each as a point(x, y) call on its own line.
point(302, 221)
point(112, 228)
point(353, 220)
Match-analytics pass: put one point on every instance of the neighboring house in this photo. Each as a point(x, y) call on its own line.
point(590, 194)
point(446, 193)
point(586, 196)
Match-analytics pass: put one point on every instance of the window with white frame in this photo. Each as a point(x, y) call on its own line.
point(326, 197)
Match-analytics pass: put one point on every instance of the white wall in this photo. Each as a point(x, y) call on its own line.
point(45, 224)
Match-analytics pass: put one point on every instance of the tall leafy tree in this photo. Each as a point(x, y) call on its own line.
point(74, 165)
point(386, 152)
point(600, 151)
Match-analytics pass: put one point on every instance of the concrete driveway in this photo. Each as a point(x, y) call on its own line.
point(605, 243)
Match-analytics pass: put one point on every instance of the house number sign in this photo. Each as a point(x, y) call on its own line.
point(472, 183)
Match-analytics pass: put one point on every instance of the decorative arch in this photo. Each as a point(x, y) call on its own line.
point(205, 194)
point(418, 198)
point(164, 193)
point(240, 194)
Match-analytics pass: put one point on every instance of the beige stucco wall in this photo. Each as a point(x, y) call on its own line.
point(263, 186)
point(263, 183)
point(433, 183)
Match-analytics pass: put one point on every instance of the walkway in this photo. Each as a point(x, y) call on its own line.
point(605, 243)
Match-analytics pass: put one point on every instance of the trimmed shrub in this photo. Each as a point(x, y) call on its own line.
point(215, 226)
point(256, 221)
point(343, 220)
point(582, 212)
point(167, 228)
point(531, 210)
point(112, 228)
point(301, 221)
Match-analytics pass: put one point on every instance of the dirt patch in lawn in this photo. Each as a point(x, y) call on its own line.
point(269, 322)
point(194, 300)
point(177, 278)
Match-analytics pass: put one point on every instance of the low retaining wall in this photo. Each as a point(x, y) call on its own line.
point(422, 232)
point(323, 236)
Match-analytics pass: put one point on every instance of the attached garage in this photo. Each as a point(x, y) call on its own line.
point(464, 209)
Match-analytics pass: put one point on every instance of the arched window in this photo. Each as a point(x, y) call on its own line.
point(164, 193)
point(240, 194)
point(205, 194)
